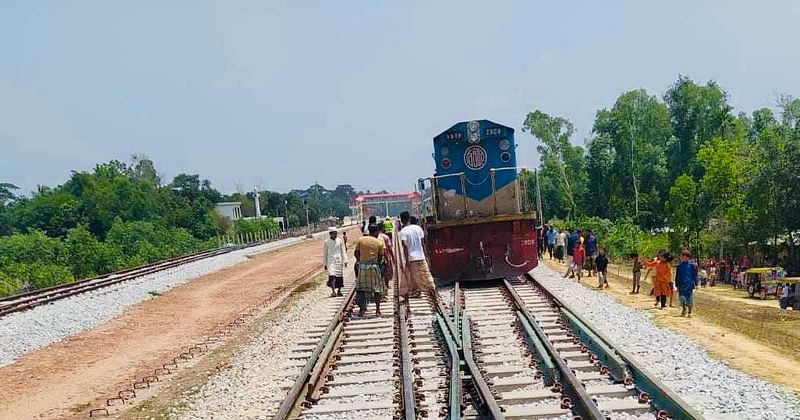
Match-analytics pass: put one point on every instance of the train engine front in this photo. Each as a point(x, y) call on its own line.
point(479, 219)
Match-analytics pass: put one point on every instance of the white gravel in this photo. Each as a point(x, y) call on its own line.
point(716, 390)
point(29, 330)
point(251, 388)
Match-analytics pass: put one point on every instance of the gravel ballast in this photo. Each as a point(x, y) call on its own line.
point(22, 332)
point(716, 390)
point(252, 387)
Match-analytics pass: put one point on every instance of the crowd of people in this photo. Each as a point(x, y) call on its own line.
point(580, 251)
point(376, 259)
point(726, 271)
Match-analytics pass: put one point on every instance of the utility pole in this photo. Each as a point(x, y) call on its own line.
point(308, 224)
point(538, 197)
point(258, 204)
point(286, 222)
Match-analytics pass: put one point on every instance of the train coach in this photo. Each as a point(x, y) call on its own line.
point(479, 220)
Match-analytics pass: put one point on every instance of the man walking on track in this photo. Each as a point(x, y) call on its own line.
point(370, 252)
point(334, 258)
point(417, 274)
point(387, 268)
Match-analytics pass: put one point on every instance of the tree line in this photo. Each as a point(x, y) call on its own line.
point(121, 215)
point(683, 164)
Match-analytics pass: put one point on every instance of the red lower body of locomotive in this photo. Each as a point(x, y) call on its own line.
point(475, 250)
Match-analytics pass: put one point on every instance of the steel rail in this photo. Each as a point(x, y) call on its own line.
point(582, 403)
point(482, 388)
point(454, 391)
point(32, 298)
point(100, 277)
point(662, 398)
point(296, 393)
point(406, 368)
point(457, 304)
point(451, 327)
point(72, 289)
point(546, 365)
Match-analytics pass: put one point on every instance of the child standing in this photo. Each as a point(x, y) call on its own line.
point(685, 280)
point(661, 283)
point(601, 264)
point(637, 272)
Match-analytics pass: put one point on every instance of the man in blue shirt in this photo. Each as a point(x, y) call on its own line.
point(590, 243)
point(685, 281)
point(551, 240)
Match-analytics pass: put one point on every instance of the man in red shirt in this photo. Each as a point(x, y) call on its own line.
point(578, 257)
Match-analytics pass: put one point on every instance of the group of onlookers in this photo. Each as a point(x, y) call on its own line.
point(376, 259)
point(728, 271)
point(580, 249)
point(582, 253)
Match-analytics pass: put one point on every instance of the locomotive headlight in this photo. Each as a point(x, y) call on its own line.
point(445, 151)
point(504, 144)
point(473, 135)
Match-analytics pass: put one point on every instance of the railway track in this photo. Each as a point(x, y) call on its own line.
point(505, 349)
point(542, 360)
point(31, 299)
point(34, 298)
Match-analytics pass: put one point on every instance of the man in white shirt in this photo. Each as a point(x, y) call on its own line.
point(415, 269)
point(334, 258)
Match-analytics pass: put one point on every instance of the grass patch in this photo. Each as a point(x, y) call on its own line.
point(309, 285)
point(767, 325)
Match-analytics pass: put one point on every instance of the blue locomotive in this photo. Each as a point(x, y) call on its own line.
point(478, 217)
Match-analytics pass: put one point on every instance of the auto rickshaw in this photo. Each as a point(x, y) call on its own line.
point(764, 281)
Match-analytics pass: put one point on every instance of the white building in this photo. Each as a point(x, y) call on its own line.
point(232, 210)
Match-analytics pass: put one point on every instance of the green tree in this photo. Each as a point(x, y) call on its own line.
point(6, 195)
point(685, 215)
point(6, 192)
point(698, 114)
point(559, 158)
point(637, 128)
point(144, 170)
point(602, 182)
point(723, 163)
point(53, 212)
point(88, 256)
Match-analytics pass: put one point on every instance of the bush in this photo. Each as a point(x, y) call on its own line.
point(264, 224)
point(37, 276)
point(9, 285)
point(32, 248)
point(620, 238)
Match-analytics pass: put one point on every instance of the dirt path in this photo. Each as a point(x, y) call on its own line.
point(62, 379)
point(735, 340)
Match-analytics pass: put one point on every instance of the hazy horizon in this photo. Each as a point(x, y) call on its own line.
point(284, 94)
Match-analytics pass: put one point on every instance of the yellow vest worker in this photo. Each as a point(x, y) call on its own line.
point(387, 225)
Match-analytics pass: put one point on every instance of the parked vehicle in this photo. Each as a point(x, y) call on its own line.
point(764, 281)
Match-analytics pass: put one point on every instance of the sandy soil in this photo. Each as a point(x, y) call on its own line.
point(63, 379)
point(739, 350)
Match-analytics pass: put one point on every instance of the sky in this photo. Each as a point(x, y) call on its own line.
point(282, 94)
